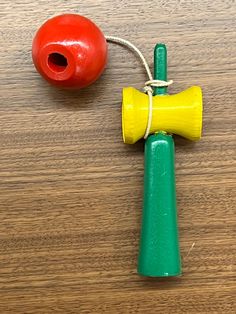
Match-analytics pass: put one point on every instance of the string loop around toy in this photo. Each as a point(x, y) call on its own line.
point(150, 84)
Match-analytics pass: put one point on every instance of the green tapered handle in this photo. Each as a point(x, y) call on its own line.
point(159, 245)
point(159, 253)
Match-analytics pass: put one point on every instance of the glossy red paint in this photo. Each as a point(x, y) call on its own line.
point(69, 51)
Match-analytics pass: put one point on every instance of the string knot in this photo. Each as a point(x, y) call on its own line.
point(148, 89)
point(158, 83)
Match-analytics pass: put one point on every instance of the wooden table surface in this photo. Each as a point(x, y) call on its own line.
point(71, 191)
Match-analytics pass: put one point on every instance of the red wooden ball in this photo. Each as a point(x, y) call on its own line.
point(69, 51)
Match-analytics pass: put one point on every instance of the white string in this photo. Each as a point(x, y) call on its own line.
point(148, 88)
point(132, 47)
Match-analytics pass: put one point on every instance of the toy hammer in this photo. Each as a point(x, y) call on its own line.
point(179, 114)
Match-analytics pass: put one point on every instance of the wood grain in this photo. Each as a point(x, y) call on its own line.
point(71, 191)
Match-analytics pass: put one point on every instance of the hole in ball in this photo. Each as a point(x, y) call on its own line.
point(57, 62)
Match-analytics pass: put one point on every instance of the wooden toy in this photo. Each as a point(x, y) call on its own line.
point(70, 51)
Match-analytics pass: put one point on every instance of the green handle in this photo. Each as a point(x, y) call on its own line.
point(159, 246)
point(160, 67)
